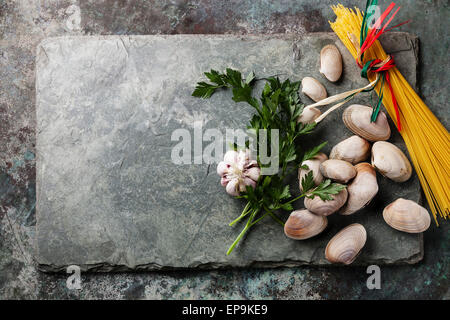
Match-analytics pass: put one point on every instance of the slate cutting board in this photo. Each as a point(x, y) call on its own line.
point(108, 196)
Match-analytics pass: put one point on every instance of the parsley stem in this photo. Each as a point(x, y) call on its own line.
point(273, 215)
point(243, 214)
point(259, 219)
point(295, 199)
point(247, 226)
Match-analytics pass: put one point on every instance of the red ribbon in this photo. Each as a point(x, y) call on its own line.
point(377, 65)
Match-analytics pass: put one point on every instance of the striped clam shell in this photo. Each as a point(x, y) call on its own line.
point(302, 224)
point(357, 118)
point(407, 216)
point(346, 245)
point(325, 208)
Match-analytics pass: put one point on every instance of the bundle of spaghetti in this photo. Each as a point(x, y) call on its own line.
point(427, 140)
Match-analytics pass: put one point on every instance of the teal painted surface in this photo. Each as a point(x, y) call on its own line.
point(24, 23)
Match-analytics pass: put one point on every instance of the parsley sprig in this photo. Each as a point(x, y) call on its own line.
point(278, 108)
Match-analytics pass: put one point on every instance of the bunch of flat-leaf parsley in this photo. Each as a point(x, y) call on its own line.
point(278, 108)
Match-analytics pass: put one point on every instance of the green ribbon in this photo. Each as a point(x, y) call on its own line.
point(365, 69)
point(366, 19)
point(376, 109)
point(368, 14)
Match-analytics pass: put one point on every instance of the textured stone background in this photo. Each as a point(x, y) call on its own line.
point(24, 23)
point(105, 108)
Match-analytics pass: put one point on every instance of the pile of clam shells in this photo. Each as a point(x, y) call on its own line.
point(346, 165)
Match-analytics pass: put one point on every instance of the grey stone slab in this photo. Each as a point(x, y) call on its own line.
point(108, 196)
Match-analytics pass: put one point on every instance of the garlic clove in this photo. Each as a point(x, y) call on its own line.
point(222, 168)
point(231, 156)
point(224, 181)
point(331, 63)
point(354, 150)
point(251, 163)
point(390, 161)
point(232, 187)
point(249, 182)
point(253, 173)
point(313, 89)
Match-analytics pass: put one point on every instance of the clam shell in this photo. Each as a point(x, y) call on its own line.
point(357, 118)
point(390, 161)
point(313, 89)
point(346, 245)
point(314, 165)
point(361, 190)
point(338, 170)
point(354, 150)
point(331, 63)
point(303, 224)
point(309, 115)
point(406, 215)
point(325, 208)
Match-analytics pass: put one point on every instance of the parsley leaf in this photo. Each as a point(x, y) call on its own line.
point(278, 107)
point(325, 190)
point(314, 151)
point(215, 77)
point(308, 182)
point(204, 90)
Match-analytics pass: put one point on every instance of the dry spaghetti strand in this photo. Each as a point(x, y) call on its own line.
point(427, 140)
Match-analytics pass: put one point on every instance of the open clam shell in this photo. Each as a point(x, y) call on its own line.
point(357, 118)
point(331, 63)
point(390, 161)
point(361, 190)
point(338, 170)
point(354, 150)
point(313, 89)
point(407, 216)
point(325, 208)
point(302, 224)
point(346, 245)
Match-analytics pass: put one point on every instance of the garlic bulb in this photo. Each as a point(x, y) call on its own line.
point(238, 170)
